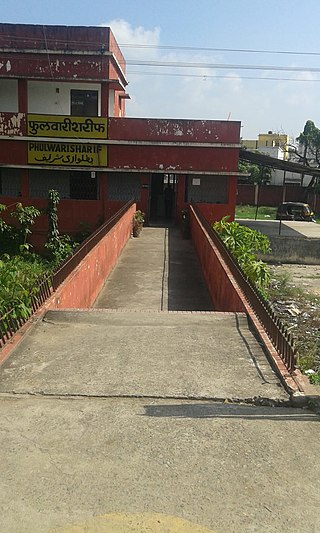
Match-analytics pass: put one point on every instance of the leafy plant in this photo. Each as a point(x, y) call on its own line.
point(138, 218)
point(314, 379)
point(59, 246)
point(26, 217)
point(19, 282)
point(257, 174)
point(244, 243)
point(13, 238)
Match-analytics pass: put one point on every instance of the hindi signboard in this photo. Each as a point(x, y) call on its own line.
point(67, 126)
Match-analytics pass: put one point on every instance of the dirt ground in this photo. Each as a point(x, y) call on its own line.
point(305, 276)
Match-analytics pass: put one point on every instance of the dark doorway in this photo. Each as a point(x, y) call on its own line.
point(162, 198)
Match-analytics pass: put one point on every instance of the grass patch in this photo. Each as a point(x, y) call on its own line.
point(249, 211)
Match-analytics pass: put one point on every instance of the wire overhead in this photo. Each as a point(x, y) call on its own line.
point(209, 76)
point(182, 64)
point(206, 49)
point(194, 65)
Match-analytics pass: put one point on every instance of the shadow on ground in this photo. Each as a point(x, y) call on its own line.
point(224, 410)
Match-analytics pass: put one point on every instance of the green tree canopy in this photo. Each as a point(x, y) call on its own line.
point(258, 174)
point(308, 150)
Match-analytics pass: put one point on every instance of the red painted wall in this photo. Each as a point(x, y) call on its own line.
point(62, 42)
point(73, 214)
point(171, 158)
point(224, 292)
point(33, 36)
point(83, 285)
point(32, 66)
point(272, 195)
point(175, 130)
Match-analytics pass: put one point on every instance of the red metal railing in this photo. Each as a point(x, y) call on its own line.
point(10, 321)
point(277, 332)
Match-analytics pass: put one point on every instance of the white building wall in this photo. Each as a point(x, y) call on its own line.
point(111, 103)
point(53, 97)
point(8, 96)
point(291, 178)
point(272, 151)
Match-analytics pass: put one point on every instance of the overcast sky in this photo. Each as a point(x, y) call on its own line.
point(215, 85)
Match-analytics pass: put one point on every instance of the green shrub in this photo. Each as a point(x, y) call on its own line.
point(19, 282)
point(244, 243)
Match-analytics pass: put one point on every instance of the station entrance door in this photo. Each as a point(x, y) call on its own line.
point(162, 200)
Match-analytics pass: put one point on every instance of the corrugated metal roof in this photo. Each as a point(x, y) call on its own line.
point(267, 161)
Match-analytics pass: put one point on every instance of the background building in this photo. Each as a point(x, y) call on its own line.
point(63, 127)
point(273, 144)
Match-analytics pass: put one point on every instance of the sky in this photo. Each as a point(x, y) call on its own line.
point(208, 42)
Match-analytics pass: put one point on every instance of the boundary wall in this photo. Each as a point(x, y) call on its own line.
point(227, 295)
point(222, 287)
point(82, 286)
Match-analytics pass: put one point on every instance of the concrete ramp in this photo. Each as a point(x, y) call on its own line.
point(141, 354)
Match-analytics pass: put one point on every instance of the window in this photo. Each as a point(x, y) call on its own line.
point(83, 185)
point(211, 189)
point(84, 103)
point(10, 181)
point(123, 186)
point(41, 181)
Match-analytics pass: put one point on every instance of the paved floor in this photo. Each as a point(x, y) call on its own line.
point(285, 228)
point(149, 354)
point(160, 271)
point(110, 419)
point(87, 465)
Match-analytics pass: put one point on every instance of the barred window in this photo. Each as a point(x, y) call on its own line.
point(123, 186)
point(207, 189)
point(83, 185)
point(10, 181)
point(41, 181)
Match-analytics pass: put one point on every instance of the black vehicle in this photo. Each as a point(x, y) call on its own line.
point(295, 211)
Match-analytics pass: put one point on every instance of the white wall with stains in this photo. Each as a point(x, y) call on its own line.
point(53, 97)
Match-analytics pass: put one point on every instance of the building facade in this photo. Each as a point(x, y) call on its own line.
point(63, 127)
point(273, 144)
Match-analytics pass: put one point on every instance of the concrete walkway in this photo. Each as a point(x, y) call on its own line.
point(143, 418)
point(159, 271)
point(286, 228)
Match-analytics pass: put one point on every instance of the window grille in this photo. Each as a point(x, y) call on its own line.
point(41, 181)
point(123, 186)
point(84, 103)
point(10, 181)
point(207, 189)
point(83, 185)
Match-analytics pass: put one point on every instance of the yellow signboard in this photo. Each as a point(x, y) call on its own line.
point(67, 154)
point(67, 126)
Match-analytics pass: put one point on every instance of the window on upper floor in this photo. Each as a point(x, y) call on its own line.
point(84, 103)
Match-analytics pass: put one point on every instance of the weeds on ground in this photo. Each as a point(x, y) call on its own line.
point(299, 309)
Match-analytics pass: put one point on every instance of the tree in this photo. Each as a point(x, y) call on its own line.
point(308, 148)
point(258, 174)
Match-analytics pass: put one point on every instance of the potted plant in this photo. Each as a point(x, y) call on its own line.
point(138, 220)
